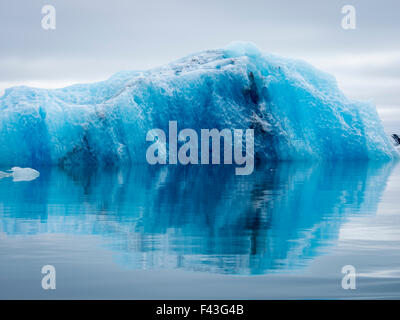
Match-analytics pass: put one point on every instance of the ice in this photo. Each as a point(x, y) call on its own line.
point(20, 174)
point(297, 112)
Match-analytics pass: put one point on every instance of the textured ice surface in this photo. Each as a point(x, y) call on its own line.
point(296, 111)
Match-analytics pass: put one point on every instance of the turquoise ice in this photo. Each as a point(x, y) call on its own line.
point(297, 112)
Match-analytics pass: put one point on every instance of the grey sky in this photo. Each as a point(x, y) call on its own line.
point(95, 39)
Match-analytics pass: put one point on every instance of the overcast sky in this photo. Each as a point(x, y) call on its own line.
point(94, 39)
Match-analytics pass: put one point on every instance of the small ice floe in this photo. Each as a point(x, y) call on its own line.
point(20, 174)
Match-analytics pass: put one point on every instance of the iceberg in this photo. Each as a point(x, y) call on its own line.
point(296, 111)
point(20, 174)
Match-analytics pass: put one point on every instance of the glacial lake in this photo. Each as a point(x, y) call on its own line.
point(201, 232)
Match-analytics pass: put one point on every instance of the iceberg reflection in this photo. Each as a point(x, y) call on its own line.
point(201, 218)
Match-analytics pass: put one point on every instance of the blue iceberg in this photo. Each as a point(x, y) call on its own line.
point(297, 112)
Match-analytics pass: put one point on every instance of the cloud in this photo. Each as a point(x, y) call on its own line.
point(95, 39)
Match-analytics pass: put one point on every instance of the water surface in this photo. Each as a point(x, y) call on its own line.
point(201, 232)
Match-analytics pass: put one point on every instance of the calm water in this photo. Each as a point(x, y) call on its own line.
point(286, 231)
